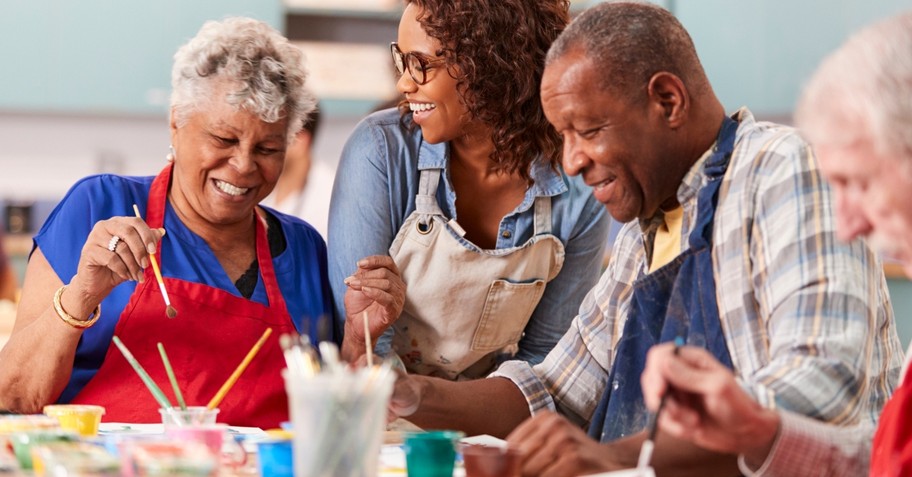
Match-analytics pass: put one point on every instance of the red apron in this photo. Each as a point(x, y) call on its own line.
point(210, 336)
point(891, 454)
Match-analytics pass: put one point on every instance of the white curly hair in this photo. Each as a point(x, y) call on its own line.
point(264, 72)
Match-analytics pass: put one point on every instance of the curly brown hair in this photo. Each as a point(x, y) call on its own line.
point(498, 47)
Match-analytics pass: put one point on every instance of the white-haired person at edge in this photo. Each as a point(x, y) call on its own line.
point(231, 268)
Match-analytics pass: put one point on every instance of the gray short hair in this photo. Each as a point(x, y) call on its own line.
point(863, 91)
point(265, 73)
point(630, 42)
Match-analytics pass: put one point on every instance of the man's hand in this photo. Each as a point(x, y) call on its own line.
point(705, 404)
point(406, 396)
point(553, 446)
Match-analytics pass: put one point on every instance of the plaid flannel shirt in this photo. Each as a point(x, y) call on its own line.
point(807, 318)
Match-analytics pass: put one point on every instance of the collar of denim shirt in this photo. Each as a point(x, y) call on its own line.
point(547, 182)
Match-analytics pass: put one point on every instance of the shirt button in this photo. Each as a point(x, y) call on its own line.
point(506, 234)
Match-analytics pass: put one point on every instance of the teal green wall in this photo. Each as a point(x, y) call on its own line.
point(760, 53)
point(901, 294)
point(104, 56)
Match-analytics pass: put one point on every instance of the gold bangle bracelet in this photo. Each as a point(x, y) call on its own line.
point(68, 319)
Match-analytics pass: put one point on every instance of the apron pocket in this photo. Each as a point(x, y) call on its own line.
point(508, 307)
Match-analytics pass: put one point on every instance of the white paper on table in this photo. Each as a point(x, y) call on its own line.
point(132, 428)
point(249, 435)
point(645, 472)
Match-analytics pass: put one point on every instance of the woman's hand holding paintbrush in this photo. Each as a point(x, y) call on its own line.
point(116, 250)
point(376, 293)
point(704, 404)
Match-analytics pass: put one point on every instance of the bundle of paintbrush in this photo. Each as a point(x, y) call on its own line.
point(338, 412)
point(300, 357)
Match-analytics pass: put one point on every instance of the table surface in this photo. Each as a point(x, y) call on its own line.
point(391, 462)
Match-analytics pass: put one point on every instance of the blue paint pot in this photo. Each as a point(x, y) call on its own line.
point(275, 458)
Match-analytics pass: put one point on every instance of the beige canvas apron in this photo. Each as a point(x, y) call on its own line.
point(464, 305)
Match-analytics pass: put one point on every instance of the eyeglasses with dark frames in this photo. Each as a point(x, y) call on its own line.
point(416, 63)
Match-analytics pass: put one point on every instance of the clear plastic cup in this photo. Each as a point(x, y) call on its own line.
point(338, 421)
point(81, 418)
point(192, 416)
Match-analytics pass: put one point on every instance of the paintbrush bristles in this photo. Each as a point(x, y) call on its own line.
point(171, 311)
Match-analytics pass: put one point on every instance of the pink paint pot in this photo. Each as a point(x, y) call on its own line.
point(213, 436)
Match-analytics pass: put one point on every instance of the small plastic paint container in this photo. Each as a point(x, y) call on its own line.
point(488, 461)
point(431, 454)
point(12, 423)
point(23, 442)
point(74, 458)
point(192, 416)
point(647, 472)
point(26, 422)
point(172, 459)
point(275, 458)
point(81, 418)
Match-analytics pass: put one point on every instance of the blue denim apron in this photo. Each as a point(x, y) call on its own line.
point(678, 299)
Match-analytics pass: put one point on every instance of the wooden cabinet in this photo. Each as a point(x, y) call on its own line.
point(347, 52)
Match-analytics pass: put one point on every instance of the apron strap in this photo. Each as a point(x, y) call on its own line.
point(426, 199)
point(542, 215)
point(714, 169)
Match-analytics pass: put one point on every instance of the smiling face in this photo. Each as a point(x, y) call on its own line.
point(226, 161)
point(436, 106)
point(873, 195)
point(621, 149)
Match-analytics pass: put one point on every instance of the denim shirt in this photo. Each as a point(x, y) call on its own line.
point(374, 192)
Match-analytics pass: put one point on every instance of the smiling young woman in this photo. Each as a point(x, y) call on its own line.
point(462, 187)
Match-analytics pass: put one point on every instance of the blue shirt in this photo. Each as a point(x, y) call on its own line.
point(300, 270)
point(374, 193)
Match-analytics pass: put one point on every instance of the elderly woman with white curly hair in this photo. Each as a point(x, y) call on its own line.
point(231, 268)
